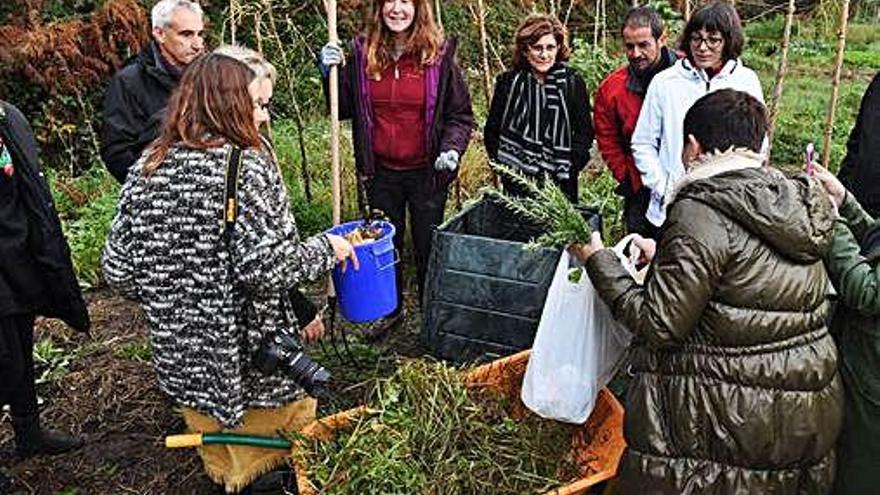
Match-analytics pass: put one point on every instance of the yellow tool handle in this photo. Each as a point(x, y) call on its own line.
point(181, 441)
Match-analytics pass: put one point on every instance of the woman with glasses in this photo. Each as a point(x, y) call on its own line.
point(712, 43)
point(214, 293)
point(539, 120)
point(411, 122)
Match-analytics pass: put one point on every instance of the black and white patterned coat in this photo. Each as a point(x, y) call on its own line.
point(165, 250)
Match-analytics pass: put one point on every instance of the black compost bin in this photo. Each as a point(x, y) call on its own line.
point(484, 293)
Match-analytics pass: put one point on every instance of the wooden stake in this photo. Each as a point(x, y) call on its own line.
point(333, 36)
point(835, 82)
point(438, 9)
point(233, 11)
point(484, 49)
point(776, 101)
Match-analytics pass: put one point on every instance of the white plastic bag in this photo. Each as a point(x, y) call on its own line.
point(577, 349)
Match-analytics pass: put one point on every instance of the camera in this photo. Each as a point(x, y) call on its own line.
point(282, 351)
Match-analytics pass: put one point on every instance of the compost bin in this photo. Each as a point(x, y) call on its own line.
point(484, 292)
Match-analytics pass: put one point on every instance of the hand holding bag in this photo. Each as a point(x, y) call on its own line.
point(578, 349)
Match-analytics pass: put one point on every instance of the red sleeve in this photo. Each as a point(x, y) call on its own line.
point(608, 137)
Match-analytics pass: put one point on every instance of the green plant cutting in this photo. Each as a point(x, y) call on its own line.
point(433, 435)
point(548, 208)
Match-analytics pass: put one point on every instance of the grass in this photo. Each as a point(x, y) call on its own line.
point(141, 352)
point(51, 361)
point(86, 205)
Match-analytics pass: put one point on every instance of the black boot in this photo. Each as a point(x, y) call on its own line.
point(31, 439)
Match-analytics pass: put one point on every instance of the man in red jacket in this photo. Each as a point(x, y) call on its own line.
point(617, 106)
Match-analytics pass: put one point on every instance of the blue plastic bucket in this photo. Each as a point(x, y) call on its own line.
point(370, 292)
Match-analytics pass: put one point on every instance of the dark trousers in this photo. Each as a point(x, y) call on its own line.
point(568, 186)
point(398, 192)
point(635, 205)
point(17, 387)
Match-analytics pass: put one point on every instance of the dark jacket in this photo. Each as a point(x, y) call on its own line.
point(449, 118)
point(854, 268)
point(577, 101)
point(133, 110)
point(36, 275)
point(860, 170)
point(735, 387)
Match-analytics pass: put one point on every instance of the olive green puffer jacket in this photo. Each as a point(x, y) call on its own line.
point(854, 267)
point(735, 387)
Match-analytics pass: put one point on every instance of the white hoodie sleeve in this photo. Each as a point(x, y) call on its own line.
point(753, 86)
point(646, 141)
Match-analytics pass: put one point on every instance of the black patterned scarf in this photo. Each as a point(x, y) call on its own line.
point(535, 133)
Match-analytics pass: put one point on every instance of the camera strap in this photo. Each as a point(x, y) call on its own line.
point(230, 212)
point(230, 204)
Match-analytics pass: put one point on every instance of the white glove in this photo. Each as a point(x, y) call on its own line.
point(332, 54)
point(448, 160)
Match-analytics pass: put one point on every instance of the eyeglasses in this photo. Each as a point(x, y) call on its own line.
point(712, 42)
point(265, 106)
point(539, 49)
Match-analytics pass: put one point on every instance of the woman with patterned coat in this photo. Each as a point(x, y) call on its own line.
point(539, 119)
point(735, 388)
point(209, 299)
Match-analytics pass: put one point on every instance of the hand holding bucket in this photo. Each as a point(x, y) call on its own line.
point(343, 251)
point(370, 291)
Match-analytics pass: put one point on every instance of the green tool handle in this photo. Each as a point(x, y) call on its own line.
point(248, 440)
point(198, 439)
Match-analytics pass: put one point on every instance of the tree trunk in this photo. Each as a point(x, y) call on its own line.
point(300, 125)
point(835, 82)
point(776, 100)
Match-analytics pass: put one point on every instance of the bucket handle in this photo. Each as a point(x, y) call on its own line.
point(393, 262)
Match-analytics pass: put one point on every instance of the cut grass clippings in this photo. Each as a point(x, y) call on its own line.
point(433, 435)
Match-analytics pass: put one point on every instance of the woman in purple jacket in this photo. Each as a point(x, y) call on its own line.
point(411, 120)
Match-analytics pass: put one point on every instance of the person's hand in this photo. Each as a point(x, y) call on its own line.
point(648, 248)
point(332, 55)
point(343, 251)
point(836, 190)
point(583, 252)
point(448, 160)
point(313, 331)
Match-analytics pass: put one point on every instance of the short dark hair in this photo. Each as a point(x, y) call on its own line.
point(639, 17)
point(727, 119)
point(717, 17)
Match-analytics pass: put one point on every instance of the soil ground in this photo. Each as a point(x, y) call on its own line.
point(109, 396)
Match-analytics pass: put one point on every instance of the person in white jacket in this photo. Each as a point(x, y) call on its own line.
point(712, 42)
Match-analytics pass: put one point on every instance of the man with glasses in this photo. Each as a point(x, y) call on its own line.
point(712, 43)
point(617, 106)
point(136, 99)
